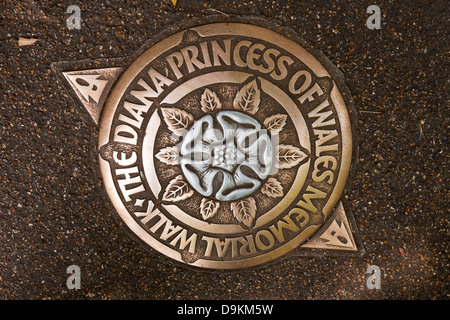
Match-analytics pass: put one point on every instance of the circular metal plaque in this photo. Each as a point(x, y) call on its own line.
point(225, 145)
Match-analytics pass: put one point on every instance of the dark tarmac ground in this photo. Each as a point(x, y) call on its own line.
point(53, 213)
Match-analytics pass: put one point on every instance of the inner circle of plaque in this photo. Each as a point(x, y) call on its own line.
point(233, 77)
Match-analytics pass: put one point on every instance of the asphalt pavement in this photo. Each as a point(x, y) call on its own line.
point(53, 212)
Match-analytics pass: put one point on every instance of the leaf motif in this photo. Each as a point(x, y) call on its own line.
point(273, 188)
point(289, 156)
point(248, 98)
point(244, 211)
point(177, 190)
point(275, 123)
point(210, 101)
point(168, 155)
point(177, 120)
point(209, 208)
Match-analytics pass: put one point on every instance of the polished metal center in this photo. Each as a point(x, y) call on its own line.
point(226, 156)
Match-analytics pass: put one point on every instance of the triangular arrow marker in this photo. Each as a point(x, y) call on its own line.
point(91, 87)
point(88, 85)
point(337, 235)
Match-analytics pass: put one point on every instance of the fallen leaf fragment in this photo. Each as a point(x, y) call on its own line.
point(26, 41)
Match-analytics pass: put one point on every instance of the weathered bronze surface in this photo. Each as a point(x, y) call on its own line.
point(226, 146)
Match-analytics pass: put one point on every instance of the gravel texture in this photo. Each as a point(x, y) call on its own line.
point(53, 213)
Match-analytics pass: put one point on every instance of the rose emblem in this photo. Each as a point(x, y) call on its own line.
point(227, 155)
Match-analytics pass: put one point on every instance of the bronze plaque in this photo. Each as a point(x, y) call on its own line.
point(224, 146)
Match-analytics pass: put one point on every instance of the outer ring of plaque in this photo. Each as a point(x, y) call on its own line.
point(212, 29)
